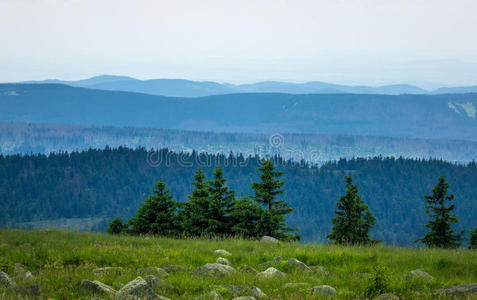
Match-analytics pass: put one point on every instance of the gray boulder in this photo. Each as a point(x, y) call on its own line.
point(214, 269)
point(6, 281)
point(223, 261)
point(30, 290)
point(104, 270)
point(248, 269)
point(153, 271)
point(459, 291)
point(420, 274)
point(272, 262)
point(244, 298)
point(213, 295)
point(157, 283)
point(320, 270)
point(271, 273)
point(295, 263)
point(268, 239)
point(324, 290)
point(244, 290)
point(97, 287)
point(139, 288)
point(222, 252)
point(387, 296)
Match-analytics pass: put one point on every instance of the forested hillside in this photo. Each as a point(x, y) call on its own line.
point(109, 183)
point(414, 116)
point(316, 148)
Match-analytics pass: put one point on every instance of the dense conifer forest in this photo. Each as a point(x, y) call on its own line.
point(114, 182)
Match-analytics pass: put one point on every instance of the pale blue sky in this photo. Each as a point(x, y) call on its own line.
point(343, 41)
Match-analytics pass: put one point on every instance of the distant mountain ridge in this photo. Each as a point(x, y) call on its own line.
point(410, 116)
point(189, 88)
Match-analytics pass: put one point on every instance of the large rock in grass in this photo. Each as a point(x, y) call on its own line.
point(320, 270)
point(268, 239)
point(222, 252)
point(271, 273)
point(6, 281)
point(459, 291)
point(214, 269)
point(387, 296)
point(295, 263)
point(157, 283)
point(418, 274)
point(324, 290)
point(213, 295)
point(272, 262)
point(294, 285)
point(223, 261)
point(139, 288)
point(153, 271)
point(29, 290)
point(97, 287)
point(244, 290)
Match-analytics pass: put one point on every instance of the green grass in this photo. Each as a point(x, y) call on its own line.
point(61, 259)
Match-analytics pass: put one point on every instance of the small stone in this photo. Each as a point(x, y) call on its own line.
point(268, 239)
point(157, 283)
point(31, 290)
point(104, 270)
point(6, 281)
point(214, 269)
point(3, 245)
point(174, 268)
point(248, 269)
point(272, 262)
point(271, 273)
point(214, 295)
point(19, 268)
point(418, 274)
point(222, 252)
point(324, 290)
point(293, 262)
point(97, 287)
point(461, 291)
point(153, 271)
point(244, 298)
point(223, 261)
point(139, 288)
point(28, 277)
point(387, 297)
point(294, 285)
point(244, 290)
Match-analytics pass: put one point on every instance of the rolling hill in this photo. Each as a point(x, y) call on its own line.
point(410, 116)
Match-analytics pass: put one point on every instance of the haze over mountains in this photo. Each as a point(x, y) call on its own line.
point(188, 88)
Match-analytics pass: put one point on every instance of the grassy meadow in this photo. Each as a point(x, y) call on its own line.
point(59, 260)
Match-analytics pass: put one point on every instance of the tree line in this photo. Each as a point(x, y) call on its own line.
point(213, 210)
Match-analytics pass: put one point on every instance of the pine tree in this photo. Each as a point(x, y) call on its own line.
point(353, 220)
point(195, 214)
point(244, 217)
point(441, 234)
point(266, 192)
point(157, 215)
point(473, 239)
point(220, 206)
point(116, 226)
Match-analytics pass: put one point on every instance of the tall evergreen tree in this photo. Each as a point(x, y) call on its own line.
point(352, 220)
point(195, 213)
point(220, 205)
point(266, 192)
point(441, 234)
point(473, 239)
point(157, 215)
point(244, 217)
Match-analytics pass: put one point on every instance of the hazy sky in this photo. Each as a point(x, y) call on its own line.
point(344, 41)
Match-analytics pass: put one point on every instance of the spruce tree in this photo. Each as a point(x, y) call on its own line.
point(441, 234)
point(116, 226)
point(157, 215)
point(266, 192)
point(220, 205)
point(473, 239)
point(244, 217)
point(195, 213)
point(353, 220)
